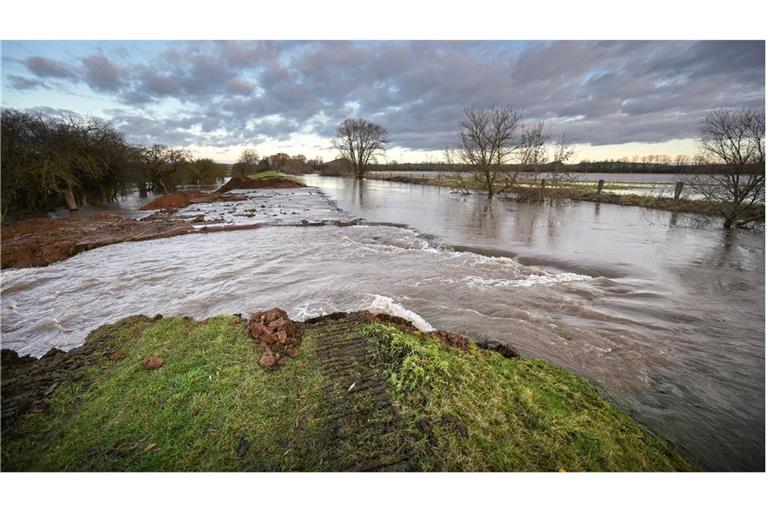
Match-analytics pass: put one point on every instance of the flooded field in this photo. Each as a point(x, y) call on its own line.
point(663, 311)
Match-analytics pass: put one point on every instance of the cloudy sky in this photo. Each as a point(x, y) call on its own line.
point(612, 99)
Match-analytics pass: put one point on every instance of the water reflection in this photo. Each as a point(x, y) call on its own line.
point(670, 294)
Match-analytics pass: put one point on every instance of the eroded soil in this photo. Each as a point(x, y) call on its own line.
point(40, 242)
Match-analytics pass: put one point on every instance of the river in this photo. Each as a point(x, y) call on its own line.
point(664, 312)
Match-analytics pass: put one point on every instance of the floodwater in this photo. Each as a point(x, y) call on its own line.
point(665, 313)
point(641, 184)
point(609, 177)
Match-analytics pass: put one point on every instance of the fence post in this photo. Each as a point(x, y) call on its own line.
point(600, 184)
point(678, 190)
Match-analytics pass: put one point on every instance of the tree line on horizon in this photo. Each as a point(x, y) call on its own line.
point(48, 163)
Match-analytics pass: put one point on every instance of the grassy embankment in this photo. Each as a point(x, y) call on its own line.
point(588, 192)
point(273, 174)
point(360, 395)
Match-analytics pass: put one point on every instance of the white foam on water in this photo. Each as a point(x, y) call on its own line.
point(527, 281)
point(382, 304)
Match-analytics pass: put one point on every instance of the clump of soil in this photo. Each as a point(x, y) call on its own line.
point(40, 242)
point(248, 183)
point(452, 339)
point(504, 349)
point(277, 334)
point(153, 363)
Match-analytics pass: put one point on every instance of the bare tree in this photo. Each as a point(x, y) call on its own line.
point(359, 141)
point(562, 151)
point(247, 163)
point(532, 149)
point(734, 141)
point(487, 143)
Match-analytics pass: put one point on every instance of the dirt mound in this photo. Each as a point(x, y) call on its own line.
point(175, 200)
point(277, 334)
point(247, 183)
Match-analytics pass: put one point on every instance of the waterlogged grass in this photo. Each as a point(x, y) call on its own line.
point(588, 192)
point(453, 410)
point(483, 412)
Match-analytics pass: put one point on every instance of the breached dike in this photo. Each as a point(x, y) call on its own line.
point(357, 392)
point(305, 271)
point(42, 241)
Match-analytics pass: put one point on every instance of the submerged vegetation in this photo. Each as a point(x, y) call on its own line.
point(532, 191)
point(360, 395)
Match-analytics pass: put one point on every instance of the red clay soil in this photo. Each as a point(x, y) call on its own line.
point(175, 200)
point(248, 183)
point(183, 199)
point(40, 242)
point(277, 334)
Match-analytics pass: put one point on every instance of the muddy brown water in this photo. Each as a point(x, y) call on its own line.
point(664, 312)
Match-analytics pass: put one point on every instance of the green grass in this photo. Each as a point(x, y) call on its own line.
point(272, 174)
point(263, 175)
point(191, 414)
point(519, 414)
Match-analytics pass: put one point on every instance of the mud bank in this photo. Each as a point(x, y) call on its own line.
point(357, 391)
point(40, 242)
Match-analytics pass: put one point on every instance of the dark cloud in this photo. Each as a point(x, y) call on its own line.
point(597, 92)
point(48, 68)
point(101, 74)
point(20, 83)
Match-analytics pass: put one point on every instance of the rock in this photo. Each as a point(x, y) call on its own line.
point(154, 362)
point(277, 334)
point(118, 356)
point(243, 446)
